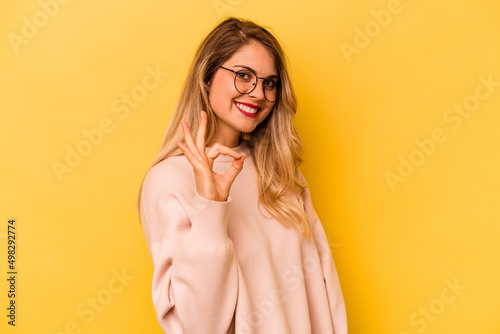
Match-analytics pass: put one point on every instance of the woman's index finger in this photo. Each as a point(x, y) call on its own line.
point(189, 139)
point(200, 135)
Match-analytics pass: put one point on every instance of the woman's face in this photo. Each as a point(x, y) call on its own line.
point(238, 112)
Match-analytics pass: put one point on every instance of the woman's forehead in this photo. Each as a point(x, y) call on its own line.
point(255, 56)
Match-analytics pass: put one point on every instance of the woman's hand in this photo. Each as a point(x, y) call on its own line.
point(209, 184)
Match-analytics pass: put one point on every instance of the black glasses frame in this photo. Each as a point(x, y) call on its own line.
point(278, 86)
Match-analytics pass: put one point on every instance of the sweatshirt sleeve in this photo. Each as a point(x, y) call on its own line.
point(331, 279)
point(195, 278)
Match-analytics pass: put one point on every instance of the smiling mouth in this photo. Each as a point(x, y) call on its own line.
point(247, 110)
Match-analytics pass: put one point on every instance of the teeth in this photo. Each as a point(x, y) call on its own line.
point(246, 108)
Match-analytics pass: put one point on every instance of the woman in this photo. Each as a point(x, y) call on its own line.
point(236, 244)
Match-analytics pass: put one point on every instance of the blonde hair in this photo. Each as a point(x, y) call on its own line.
point(274, 144)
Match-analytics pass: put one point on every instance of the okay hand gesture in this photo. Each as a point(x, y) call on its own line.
point(209, 184)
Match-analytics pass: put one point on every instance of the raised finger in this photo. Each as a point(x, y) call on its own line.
point(189, 155)
point(200, 135)
point(189, 139)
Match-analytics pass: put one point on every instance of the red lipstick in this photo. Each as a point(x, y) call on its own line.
point(248, 105)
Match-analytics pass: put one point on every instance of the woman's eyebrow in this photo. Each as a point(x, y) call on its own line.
point(253, 71)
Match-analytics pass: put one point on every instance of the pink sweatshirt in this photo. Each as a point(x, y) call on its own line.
point(226, 267)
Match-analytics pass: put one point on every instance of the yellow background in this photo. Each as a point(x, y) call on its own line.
point(360, 113)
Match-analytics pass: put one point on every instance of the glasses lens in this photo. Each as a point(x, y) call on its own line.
point(271, 90)
point(245, 82)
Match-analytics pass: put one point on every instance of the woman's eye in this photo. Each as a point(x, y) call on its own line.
point(270, 84)
point(244, 75)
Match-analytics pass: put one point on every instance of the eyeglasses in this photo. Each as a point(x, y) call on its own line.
point(245, 82)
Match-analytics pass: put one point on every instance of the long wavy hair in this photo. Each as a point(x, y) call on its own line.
point(274, 144)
